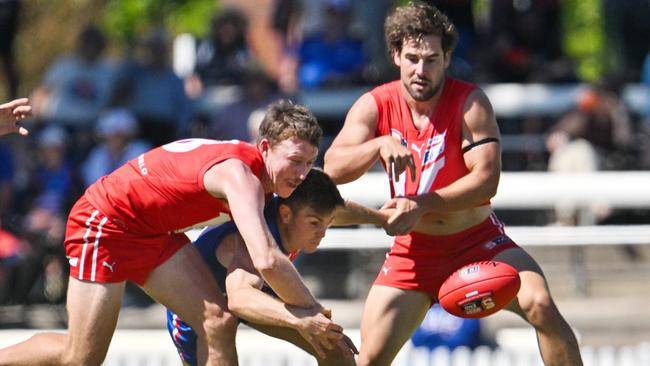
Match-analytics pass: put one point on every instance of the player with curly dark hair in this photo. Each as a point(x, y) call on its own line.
point(438, 139)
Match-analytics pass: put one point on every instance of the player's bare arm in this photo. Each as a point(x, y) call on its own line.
point(233, 180)
point(356, 148)
point(482, 155)
point(13, 112)
point(246, 300)
point(357, 214)
point(480, 134)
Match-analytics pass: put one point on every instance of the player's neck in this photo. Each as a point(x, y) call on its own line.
point(424, 107)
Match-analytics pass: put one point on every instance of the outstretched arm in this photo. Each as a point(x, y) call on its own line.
point(354, 213)
point(13, 112)
point(233, 180)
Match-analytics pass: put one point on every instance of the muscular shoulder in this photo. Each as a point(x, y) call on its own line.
point(477, 110)
point(230, 172)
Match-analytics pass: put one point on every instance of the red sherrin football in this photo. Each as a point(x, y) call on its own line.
point(479, 289)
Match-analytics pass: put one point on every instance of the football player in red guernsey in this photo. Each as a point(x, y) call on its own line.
point(129, 225)
point(439, 141)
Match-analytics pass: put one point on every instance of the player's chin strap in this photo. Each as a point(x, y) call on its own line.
point(479, 142)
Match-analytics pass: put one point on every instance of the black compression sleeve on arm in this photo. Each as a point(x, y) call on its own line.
point(479, 142)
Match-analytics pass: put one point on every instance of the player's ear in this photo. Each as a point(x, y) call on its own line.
point(285, 213)
point(447, 59)
point(264, 145)
point(396, 59)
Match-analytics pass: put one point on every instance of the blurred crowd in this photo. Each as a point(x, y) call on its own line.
point(93, 113)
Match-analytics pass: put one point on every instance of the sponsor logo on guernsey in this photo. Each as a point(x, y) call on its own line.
point(495, 242)
point(417, 149)
point(141, 165)
point(111, 267)
point(386, 270)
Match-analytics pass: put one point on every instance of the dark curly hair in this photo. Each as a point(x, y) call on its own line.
point(284, 120)
point(417, 20)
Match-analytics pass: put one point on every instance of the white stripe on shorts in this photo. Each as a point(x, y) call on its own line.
point(83, 251)
point(495, 220)
point(96, 249)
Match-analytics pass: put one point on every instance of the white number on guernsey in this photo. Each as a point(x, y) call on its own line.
point(182, 146)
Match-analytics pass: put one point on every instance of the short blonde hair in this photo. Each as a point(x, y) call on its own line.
point(284, 120)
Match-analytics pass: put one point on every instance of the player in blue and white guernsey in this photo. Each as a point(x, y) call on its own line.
point(298, 224)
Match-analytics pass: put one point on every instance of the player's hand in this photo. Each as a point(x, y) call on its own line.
point(407, 212)
point(13, 112)
point(397, 157)
point(318, 330)
point(348, 347)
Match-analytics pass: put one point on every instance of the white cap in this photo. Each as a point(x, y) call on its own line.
point(117, 121)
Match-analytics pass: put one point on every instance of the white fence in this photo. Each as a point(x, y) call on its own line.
point(534, 190)
point(529, 190)
point(154, 348)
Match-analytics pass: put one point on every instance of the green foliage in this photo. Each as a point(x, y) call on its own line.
point(584, 36)
point(124, 20)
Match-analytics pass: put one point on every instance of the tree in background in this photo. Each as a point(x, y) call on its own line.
point(49, 28)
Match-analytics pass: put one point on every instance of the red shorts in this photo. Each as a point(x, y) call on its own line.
point(99, 250)
point(423, 262)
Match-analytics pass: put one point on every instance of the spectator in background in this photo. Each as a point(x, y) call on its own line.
point(117, 129)
point(148, 86)
point(7, 172)
point(524, 44)
point(43, 230)
point(272, 35)
point(441, 329)
point(223, 57)
point(9, 14)
point(461, 13)
point(332, 56)
point(46, 199)
point(231, 121)
point(596, 135)
point(77, 87)
point(52, 174)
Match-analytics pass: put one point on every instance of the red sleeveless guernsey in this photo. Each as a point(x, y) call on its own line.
point(417, 261)
point(436, 148)
point(161, 191)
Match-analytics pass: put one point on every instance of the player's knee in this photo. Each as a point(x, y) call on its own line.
point(539, 308)
point(218, 321)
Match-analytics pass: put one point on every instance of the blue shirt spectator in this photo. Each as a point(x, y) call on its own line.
point(150, 89)
point(77, 87)
point(332, 56)
point(441, 329)
point(117, 128)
